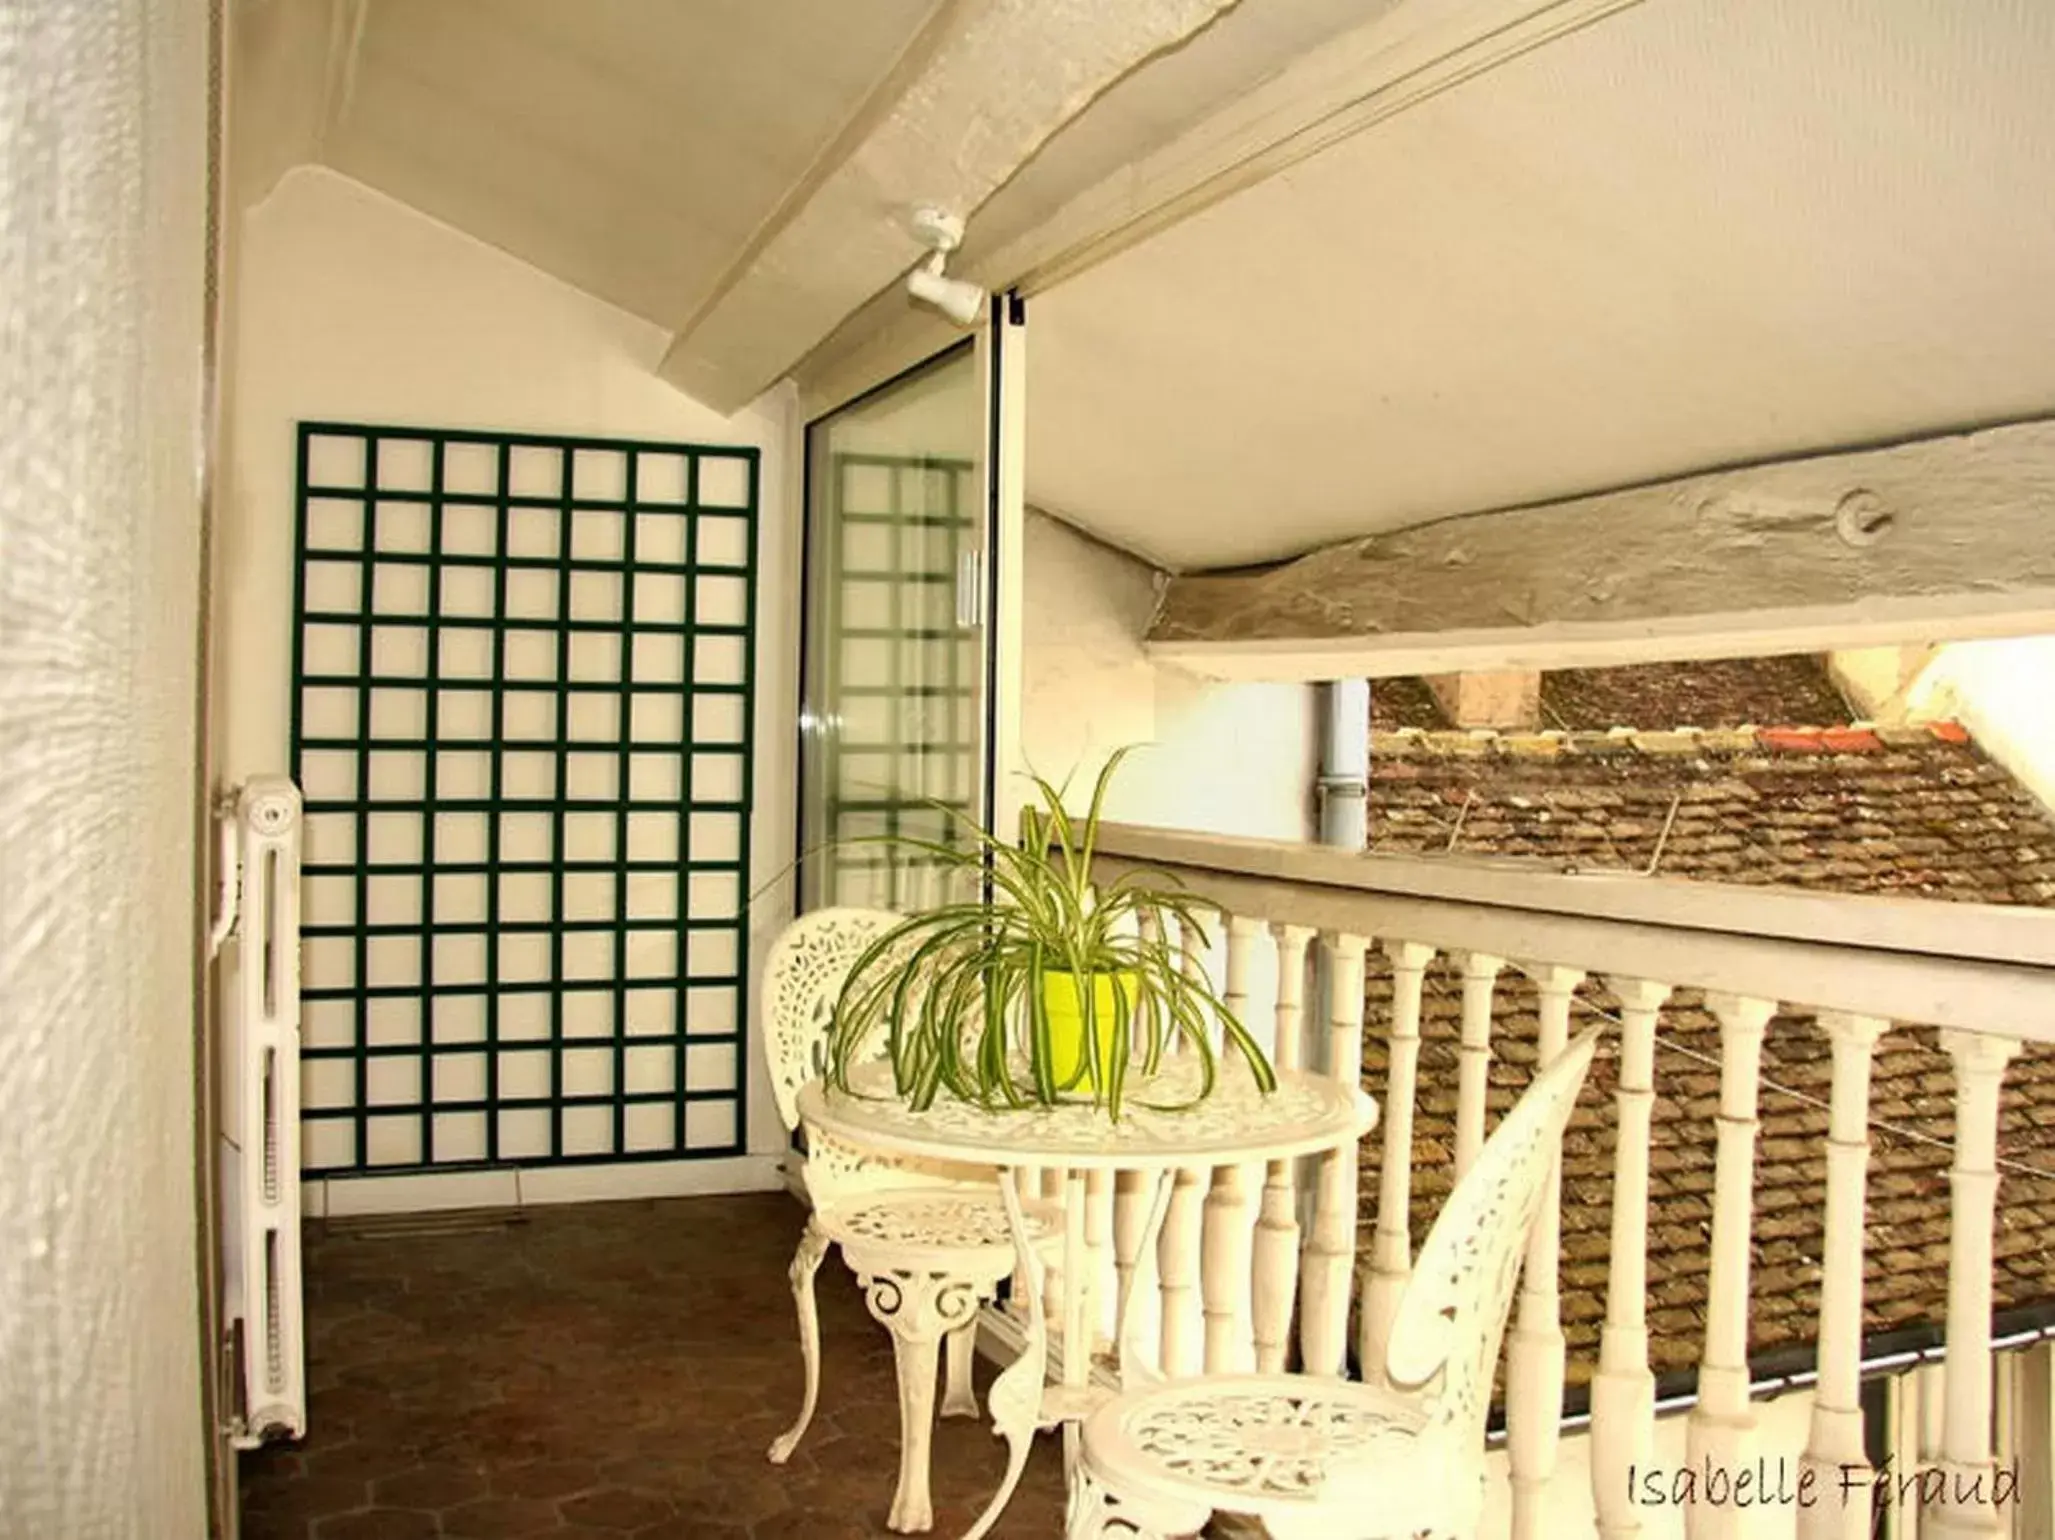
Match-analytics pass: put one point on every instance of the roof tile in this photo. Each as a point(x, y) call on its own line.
point(1848, 808)
point(1912, 1112)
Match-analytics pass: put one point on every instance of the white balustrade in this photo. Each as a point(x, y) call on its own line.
point(1277, 1228)
point(1836, 1442)
point(1391, 1244)
point(1130, 1220)
point(1966, 1509)
point(1099, 1257)
point(1722, 1423)
point(1331, 1251)
point(1473, 1083)
point(1229, 1265)
point(1228, 1247)
point(1537, 1351)
point(1056, 1191)
point(1623, 1391)
point(1179, 1247)
point(1177, 1265)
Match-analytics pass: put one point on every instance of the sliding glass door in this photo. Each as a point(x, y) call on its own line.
point(897, 668)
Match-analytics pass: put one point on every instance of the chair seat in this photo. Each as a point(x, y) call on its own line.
point(958, 1229)
point(1272, 1445)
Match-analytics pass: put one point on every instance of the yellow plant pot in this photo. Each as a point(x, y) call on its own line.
point(1065, 1007)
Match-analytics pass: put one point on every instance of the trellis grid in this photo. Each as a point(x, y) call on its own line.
point(523, 691)
point(903, 671)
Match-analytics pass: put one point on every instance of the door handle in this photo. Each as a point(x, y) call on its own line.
point(970, 589)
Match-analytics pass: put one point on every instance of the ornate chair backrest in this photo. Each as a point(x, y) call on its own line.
point(803, 978)
point(1452, 1318)
point(809, 962)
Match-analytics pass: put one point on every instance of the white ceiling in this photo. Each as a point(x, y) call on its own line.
point(1699, 232)
point(630, 147)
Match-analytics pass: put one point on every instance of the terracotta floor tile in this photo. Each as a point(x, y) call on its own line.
point(500, 1518)
point(605, 1371)
point(378, 1524)
point(616, 1508)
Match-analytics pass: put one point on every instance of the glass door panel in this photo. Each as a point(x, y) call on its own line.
point(893, 719)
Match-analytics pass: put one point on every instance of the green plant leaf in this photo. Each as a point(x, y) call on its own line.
point(958, 992)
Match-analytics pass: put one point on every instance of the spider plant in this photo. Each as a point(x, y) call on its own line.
point(972, 996)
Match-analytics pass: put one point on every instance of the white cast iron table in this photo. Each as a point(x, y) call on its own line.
point(1238, 1124)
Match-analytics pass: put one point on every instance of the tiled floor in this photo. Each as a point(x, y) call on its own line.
point(610, 1370)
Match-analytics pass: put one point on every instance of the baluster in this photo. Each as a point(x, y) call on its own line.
point(1966, 1454)
point(1331, 1250)
point(1391, 1243)
point(1623, 1391)
point(1835, 1440)
point(1536, 1356)
point(1030, 1180)
point(1131, 1193)
point(1480, 973)
point(1224, 1272)
point(1076, 1361)
point(1098, 1256)
point(1177, 1271)
point(1277, 1231)
point(1055, 1191)
point(2034, 1441)
point(1228, 1242)
point(1178, 1247)
point(1722, 1426)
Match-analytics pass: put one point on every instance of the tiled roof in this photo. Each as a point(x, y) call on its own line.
point(1716, 691)
point(1914, 812)
point(1913, 1120)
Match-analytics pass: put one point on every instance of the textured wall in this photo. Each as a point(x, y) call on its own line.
point(102, 194)
point(1216, 758)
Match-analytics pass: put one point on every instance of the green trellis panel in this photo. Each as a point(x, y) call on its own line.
point(901, 525)
point(523, 690)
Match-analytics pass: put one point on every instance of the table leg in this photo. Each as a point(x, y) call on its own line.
point(1015, 1399)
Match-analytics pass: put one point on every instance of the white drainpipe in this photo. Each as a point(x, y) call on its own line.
point(1343, 794)
point(1344, 787)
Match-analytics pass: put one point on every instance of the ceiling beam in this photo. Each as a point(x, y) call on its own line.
point(1000, 79)
point(1409, 54)
point(1935, 540)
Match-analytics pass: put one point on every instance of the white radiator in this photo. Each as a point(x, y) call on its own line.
point(257, 933)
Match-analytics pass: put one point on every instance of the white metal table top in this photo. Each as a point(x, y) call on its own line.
point(1306, 1114)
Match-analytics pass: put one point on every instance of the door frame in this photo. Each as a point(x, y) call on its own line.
point(998, 347)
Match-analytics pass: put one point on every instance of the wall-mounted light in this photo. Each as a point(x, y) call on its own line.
point(957, 299)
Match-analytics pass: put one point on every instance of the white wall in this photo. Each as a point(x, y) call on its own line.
point(2000, 690)
point(354, 308)
point(1215, 758)
point(2004, 693)
point(102, 239)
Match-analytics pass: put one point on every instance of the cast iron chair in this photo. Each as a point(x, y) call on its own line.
point(1326, 1459)
point(928, 1241)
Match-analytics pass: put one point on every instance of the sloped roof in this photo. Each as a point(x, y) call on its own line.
point(1915, 812)
point(1912, 1111)
point(1846, 808)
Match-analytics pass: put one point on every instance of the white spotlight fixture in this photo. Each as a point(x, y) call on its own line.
point(957, 299)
